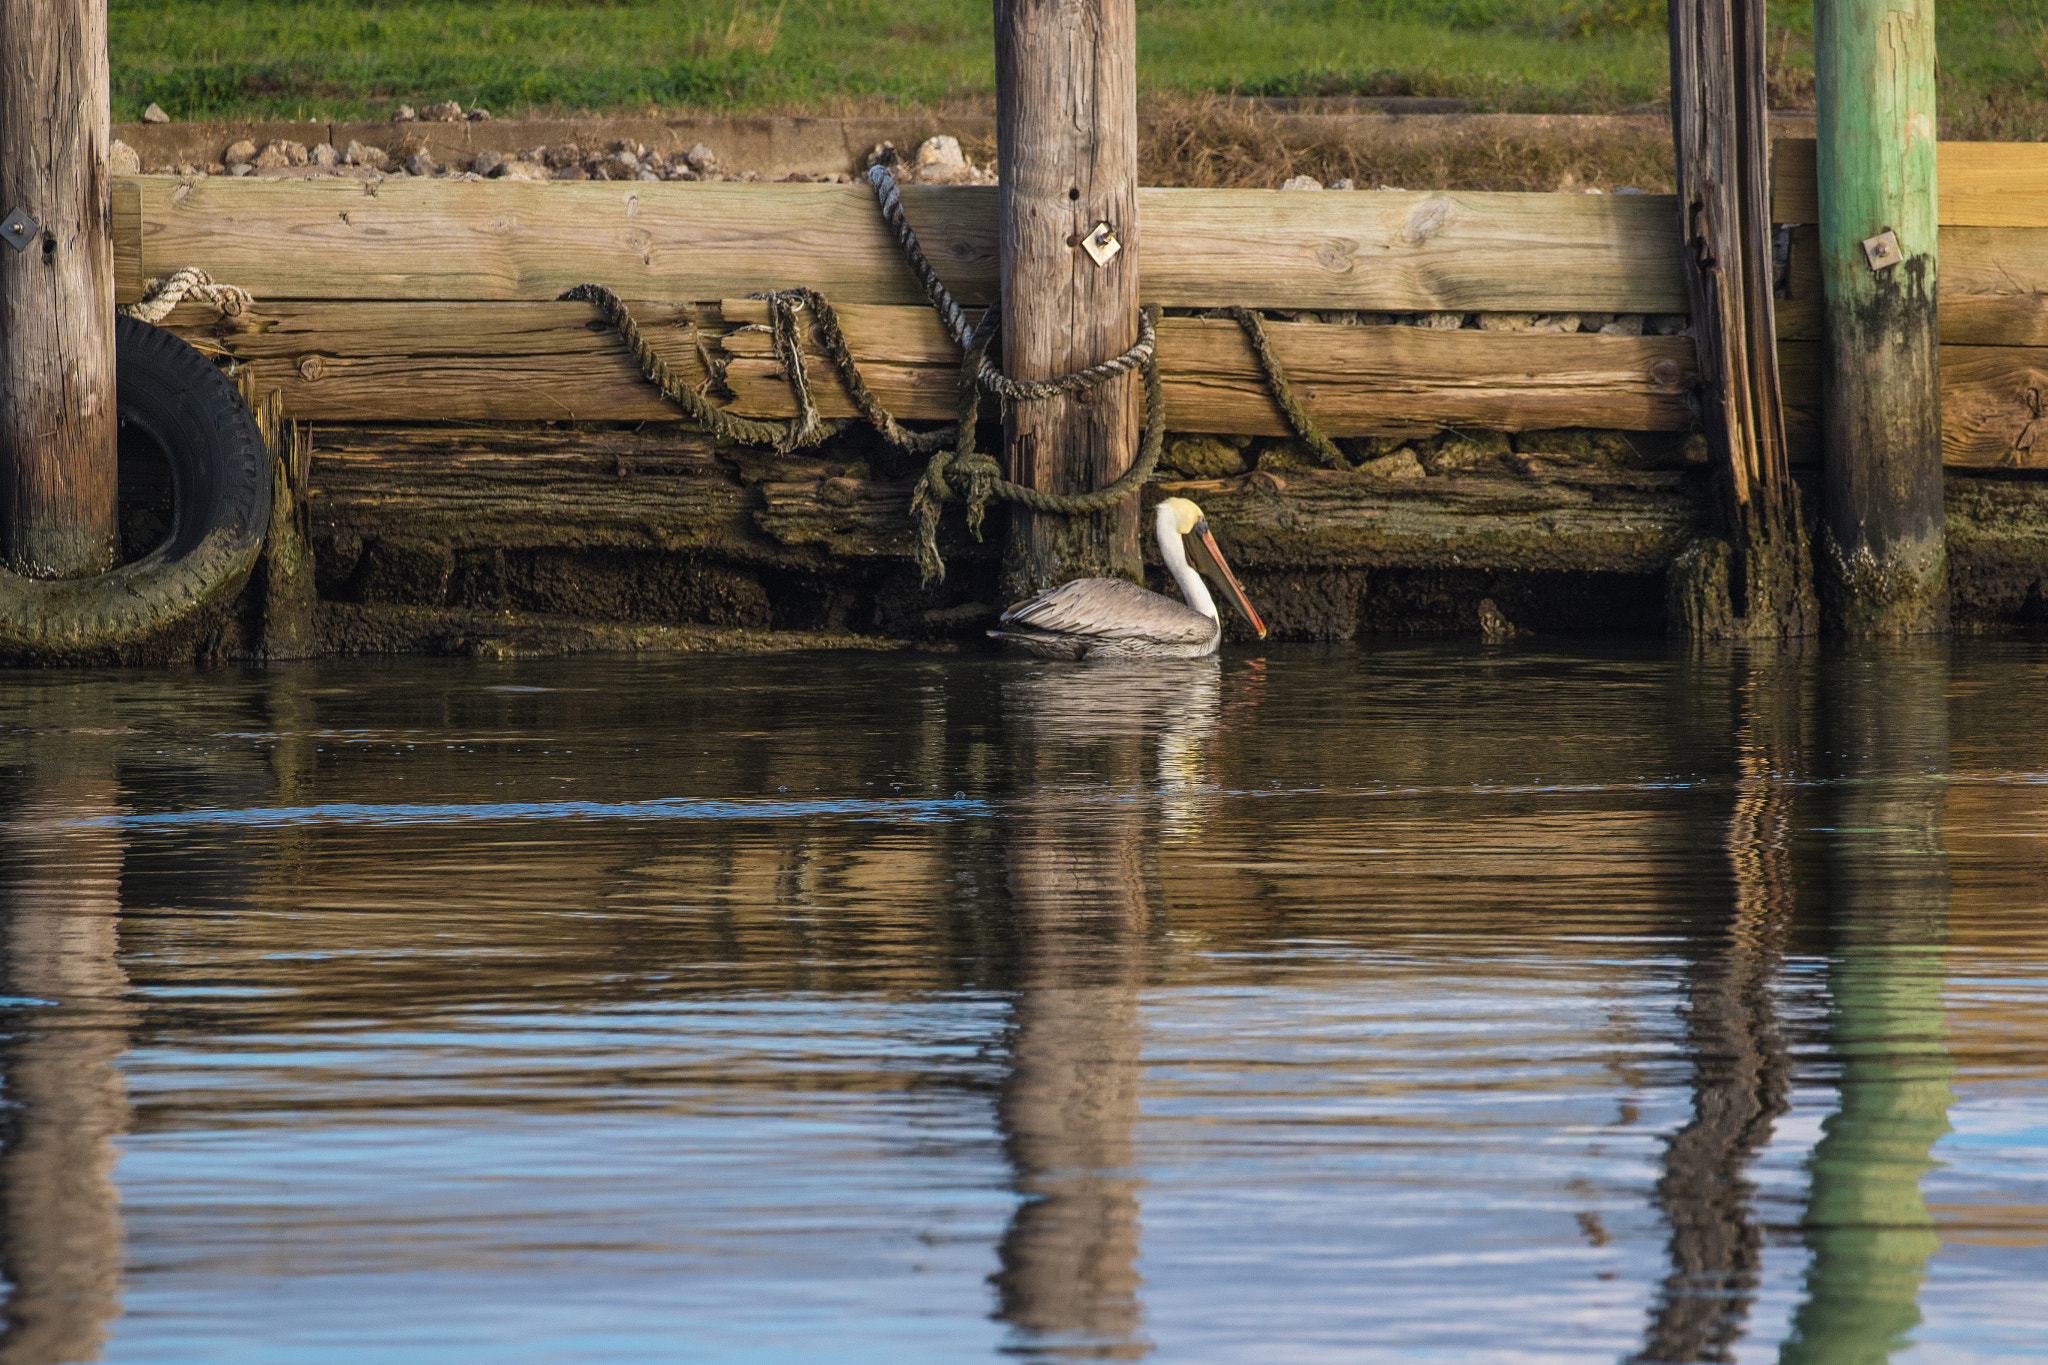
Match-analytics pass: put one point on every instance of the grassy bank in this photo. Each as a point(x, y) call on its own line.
point(302, 59)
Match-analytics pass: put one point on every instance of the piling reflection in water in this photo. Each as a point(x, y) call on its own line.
point(60, 1224)
point(1082, 862)
point(1867, 1224)
point(1414, 1002)
point(1741, 1067)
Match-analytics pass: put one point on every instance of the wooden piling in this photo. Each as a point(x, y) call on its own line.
point(1067, 155)
point(1720, 126)
point(1884, 547)
point(57, 401)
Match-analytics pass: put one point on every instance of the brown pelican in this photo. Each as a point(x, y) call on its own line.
point(1110, 618)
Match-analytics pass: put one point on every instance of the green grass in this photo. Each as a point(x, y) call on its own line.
point(302, 59)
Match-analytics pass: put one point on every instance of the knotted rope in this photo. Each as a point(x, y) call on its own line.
point(160, 296)
point(956, 470)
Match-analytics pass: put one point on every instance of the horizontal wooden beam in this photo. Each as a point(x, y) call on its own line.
point(474, 241)
point(1977, 184)
point(1353, 380)
point(340, 361)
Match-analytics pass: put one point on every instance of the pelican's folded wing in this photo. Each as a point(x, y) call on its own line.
point(1111, 609)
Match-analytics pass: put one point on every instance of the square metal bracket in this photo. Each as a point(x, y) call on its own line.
point(1883, 250)
point(19, 229)
point(1101, 244)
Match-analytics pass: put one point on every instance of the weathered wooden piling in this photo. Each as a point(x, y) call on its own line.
point(1754, 578)
point(1067, 155)
point(1884, 549)
point(57, 402)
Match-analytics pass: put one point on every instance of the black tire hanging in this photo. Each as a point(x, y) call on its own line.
point(221, 474)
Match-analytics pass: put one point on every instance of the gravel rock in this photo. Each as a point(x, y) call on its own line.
point(422, 163)
point(1507, 322)
point(1301, 182)
point(703, 160)
point(1623, 325)
point(570, 173)
point(404, 113)
point(1460, 450)
point(1202, 457)
point(241, 168)
point(1347, 183)
point(563, 157)
point(1440, 322)
point(323, 154)
point(1668, 325)
point(244, 150)
point(479, 115)
point(1400, 465)
point(275, 154)
point(520, 170)
point(375, 158)
point(488, 163)
point(448, 112)
point(123, 159)
point(155, 114)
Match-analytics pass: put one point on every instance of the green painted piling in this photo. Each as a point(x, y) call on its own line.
point(1867, 1229)
point(1883, 543)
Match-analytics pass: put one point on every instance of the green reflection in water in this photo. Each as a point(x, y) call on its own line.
point(1867, 1225)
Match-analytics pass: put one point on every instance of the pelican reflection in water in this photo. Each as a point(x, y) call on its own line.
point(1111, 618)
point(1083, 869)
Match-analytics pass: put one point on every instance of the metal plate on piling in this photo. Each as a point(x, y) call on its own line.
point(19, 229)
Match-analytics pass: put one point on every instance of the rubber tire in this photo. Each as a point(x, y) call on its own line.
point(222, 476)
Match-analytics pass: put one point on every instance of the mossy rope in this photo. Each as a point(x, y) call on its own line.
point(955, 468)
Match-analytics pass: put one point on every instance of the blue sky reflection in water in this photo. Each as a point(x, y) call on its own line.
point(1537, 1003)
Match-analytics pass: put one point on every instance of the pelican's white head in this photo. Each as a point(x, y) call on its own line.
point(1184, 537)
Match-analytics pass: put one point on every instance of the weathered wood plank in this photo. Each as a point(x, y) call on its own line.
point(1353, 379)
point(432, 239)
point(1986, 404)
point(125, 226)
point(529, 487)
point(355, 362)
point(1992, 260)
point(1978, 184)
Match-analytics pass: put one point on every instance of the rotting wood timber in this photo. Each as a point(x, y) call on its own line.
point(569, 538)
point(1068, 248)
point(58, 460)
point(1755, 579)
point(1875, 169)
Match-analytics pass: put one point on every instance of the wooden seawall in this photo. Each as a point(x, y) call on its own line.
point(481, 451)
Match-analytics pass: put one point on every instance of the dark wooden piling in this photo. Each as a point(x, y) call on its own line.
point(1884, 548)
point(57, 403)
point(1067, 153)
point(1757, 579)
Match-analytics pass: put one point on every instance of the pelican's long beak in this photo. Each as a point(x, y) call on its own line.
point(1209, 560)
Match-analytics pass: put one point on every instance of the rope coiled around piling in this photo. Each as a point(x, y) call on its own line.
point(956, 470)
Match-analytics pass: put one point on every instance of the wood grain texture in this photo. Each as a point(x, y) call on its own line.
point(434, 239)
point(1067, 158)
point(1354, 379)
point(57, 401)
point(1977, 184)
point(1720, 127)
point(368, 362)
point(659, 488)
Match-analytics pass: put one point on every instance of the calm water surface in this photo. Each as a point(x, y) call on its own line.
point(1540, 1003)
